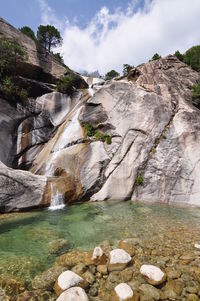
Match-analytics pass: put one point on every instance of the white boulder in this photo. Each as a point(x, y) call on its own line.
point(67, 280)
point(119, 259)
point(73, 294)
point(153, 274)
point(123, 291)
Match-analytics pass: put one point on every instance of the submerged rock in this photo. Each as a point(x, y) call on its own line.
point(47, 279)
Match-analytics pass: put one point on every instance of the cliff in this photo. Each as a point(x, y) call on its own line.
point(136, 138)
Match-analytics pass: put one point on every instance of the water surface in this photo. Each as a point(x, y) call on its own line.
point(25, 238)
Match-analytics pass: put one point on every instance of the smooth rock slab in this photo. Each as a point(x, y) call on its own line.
point(124, 292)
point(119, 259)
point(73, 294)
point(67, 280)
point(152, 274)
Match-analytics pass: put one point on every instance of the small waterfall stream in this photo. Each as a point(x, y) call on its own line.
point(57, 200)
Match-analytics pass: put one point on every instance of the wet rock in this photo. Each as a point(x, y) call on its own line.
point(73, 294)
point(93, 291)
point(58, 246)
point(3, 296)
point(37, 295)
point(93, 269)
point(103, 269)
point(123, 293)
point(11, 286)
point(127, 246)
point(98, 256)
point(126, 275)
point(79, 269)
point(173, 288)
point(192, 297)
point(150, 291)
point(152, 274)
point(119, 259)
point(47, 279)
point(89, 277)
point(174, 274)
point(67, 280)
point(75, 257)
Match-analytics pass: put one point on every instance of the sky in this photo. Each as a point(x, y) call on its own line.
point(103, 35)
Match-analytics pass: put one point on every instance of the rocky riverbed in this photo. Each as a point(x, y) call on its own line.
point(114, 269)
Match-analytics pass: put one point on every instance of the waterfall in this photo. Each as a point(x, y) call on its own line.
point(57, 200)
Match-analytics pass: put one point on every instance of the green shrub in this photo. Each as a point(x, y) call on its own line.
point(92, 132)
point(139, 180)
point(178, 55)
point(11, 92)
point(155, 57)
point(111, 74)
point(192, 57)
point(196, 95)
point(65, 84)
point(59, 57)
point(28, 32)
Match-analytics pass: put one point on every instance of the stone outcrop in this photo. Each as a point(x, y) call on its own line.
point(154, 154)
point(20, 190)
point(40, 65)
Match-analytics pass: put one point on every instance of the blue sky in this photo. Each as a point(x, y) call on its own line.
point(27, 12)
point(103, 35)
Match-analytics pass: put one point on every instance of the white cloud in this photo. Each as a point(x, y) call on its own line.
point(48, 16)
point(132, 36)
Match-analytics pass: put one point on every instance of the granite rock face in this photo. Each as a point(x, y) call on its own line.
point(20, 190)
point(154, 154)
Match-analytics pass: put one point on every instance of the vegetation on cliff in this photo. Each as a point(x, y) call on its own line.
point(10, 54)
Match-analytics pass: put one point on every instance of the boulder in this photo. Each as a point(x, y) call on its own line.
point(119, 259)
point(47, 279)
point(67, 280)
point(153, 274)
point(150, 291)
point(58, 246)
point(127, 246)
point(73, 294)
point(123, 292)
point(197, 246)
point(21, 190)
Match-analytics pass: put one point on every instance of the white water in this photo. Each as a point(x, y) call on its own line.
point(94, 84)
point(57, 200)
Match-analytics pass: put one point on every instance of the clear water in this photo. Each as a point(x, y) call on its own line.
point(25, 238)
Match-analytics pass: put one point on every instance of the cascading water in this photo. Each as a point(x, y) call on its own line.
point(57, 200)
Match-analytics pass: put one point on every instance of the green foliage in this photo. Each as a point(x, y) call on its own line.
point(179, 55)
point(126, 69)
point(196, 95)
point(12, 92)
point(192, 57)
point(111, 74)
point(98, 135)
point(65, 84)
point(58, 57)
point(155, 57)
point(48, 36)
point(139, 180)
point(28, 32)
point(10, 53)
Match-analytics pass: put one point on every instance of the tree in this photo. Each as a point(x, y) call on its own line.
point(192, 57)
point(178, 55)
point(48, 36)
point(111, 74)
point(28, 32)
point(126, 69)
point(155, 57)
